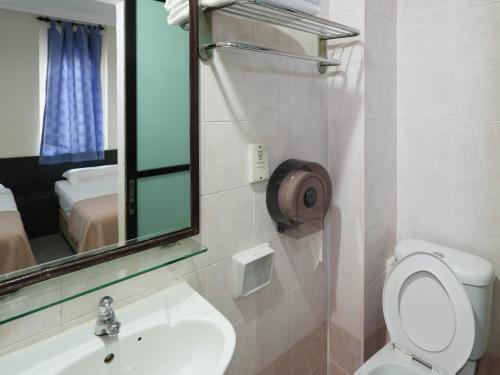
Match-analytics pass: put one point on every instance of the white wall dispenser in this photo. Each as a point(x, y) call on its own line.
point(252, 270)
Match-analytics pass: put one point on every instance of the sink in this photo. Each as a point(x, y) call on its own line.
point(174, 332)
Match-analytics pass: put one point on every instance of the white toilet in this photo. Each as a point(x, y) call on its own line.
point(437, 306)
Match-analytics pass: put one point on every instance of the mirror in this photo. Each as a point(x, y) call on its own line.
point(98, 133)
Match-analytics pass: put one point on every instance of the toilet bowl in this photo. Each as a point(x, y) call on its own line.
point(433, 300)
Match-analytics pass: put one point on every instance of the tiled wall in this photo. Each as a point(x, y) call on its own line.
point(346, 126)
point(362, 122)
point(380, 163)
point(245, 98)
point(449, 128)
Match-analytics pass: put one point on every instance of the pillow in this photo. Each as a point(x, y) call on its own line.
point(79, 175)
point(3, 189)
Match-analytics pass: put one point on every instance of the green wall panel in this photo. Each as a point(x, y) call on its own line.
point(162, 89)
point(164, 203)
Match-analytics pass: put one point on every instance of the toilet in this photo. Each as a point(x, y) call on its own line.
point(437, 306)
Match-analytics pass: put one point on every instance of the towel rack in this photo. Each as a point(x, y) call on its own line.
point(264, 11)
point(250, 47)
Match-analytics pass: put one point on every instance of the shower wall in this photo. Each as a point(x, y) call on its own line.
point(362, 148)
point(449, 129)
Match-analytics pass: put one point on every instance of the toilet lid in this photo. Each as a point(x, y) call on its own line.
point(428, 313)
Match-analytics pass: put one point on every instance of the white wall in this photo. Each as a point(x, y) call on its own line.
point(22, 77)
point(449, 127)
point(19, 93)
point(362, 148)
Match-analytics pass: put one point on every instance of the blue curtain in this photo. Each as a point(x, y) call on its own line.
point(73, 119)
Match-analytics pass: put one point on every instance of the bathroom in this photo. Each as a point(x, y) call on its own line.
point(390, 108)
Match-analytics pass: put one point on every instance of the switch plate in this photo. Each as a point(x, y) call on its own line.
point(258, 160)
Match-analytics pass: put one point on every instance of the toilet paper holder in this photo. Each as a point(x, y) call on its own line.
point(298, 197)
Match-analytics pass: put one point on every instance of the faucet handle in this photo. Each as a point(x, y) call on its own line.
point(106, 301)
point(105, 305)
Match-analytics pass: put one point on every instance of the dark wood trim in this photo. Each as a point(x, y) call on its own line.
point(195, 115)
point(131, 116)
point(89, 260)
point(162, 171)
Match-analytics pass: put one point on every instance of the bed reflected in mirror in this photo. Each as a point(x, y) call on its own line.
point(65, 186)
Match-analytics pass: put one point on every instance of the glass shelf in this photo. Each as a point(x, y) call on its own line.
point(49, 293)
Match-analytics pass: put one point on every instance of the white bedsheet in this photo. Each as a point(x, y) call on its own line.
point(69, 194)
point(7, 201)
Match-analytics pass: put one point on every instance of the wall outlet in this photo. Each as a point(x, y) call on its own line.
point(258, 163)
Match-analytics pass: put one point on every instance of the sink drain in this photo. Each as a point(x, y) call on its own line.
point(109, 358)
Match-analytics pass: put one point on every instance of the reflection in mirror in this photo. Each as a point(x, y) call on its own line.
point(65, 186)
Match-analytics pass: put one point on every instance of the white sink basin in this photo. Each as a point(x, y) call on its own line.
point(174, 332)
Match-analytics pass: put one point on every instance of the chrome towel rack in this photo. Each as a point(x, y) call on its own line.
point(264, 11)
point(324, 62)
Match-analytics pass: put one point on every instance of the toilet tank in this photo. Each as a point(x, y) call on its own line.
point(475, 273)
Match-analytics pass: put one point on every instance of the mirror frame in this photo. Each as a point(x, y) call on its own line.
point(40, 273)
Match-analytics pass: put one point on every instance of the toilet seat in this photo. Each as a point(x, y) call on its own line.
point(428, 313)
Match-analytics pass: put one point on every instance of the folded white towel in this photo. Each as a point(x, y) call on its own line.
point(301, 5)
point(178, 14)
point(172, 4)
point(178, 10)
point(214, 3)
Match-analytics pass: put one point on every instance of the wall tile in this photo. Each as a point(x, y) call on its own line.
point(345, 349)
point(333, 369)
point(273, 87)
point(265, 229)
point(226, 157)
point(347, 144)
point(380, 40)
point(310, 353)
point(280, 366)
point(478, 92)
point(439, 145)
point(277, 135)
point(243, 362)
point(308, 308)
point(229, 87)
point(427, 93)
point(226, 27)
point(220, 293)
point(346, 92)
point(347, 251)
point(373, 314)
point(380, 240)
point(272, 332)
point(430, 41)
point(229, 226)
point(387, 8)
point(380, 92)
point(340, 6)
point(347, 201)
point(473, 207)
point(346, 305)
point(380, 197)
point(306, 90)
point(412, 9)
point(479, 46)
point(380, 145)
point(375, 342)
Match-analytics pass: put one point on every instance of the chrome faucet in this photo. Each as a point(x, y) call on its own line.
point(106, 324)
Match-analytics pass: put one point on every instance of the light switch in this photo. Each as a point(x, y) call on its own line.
point(258, 159)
